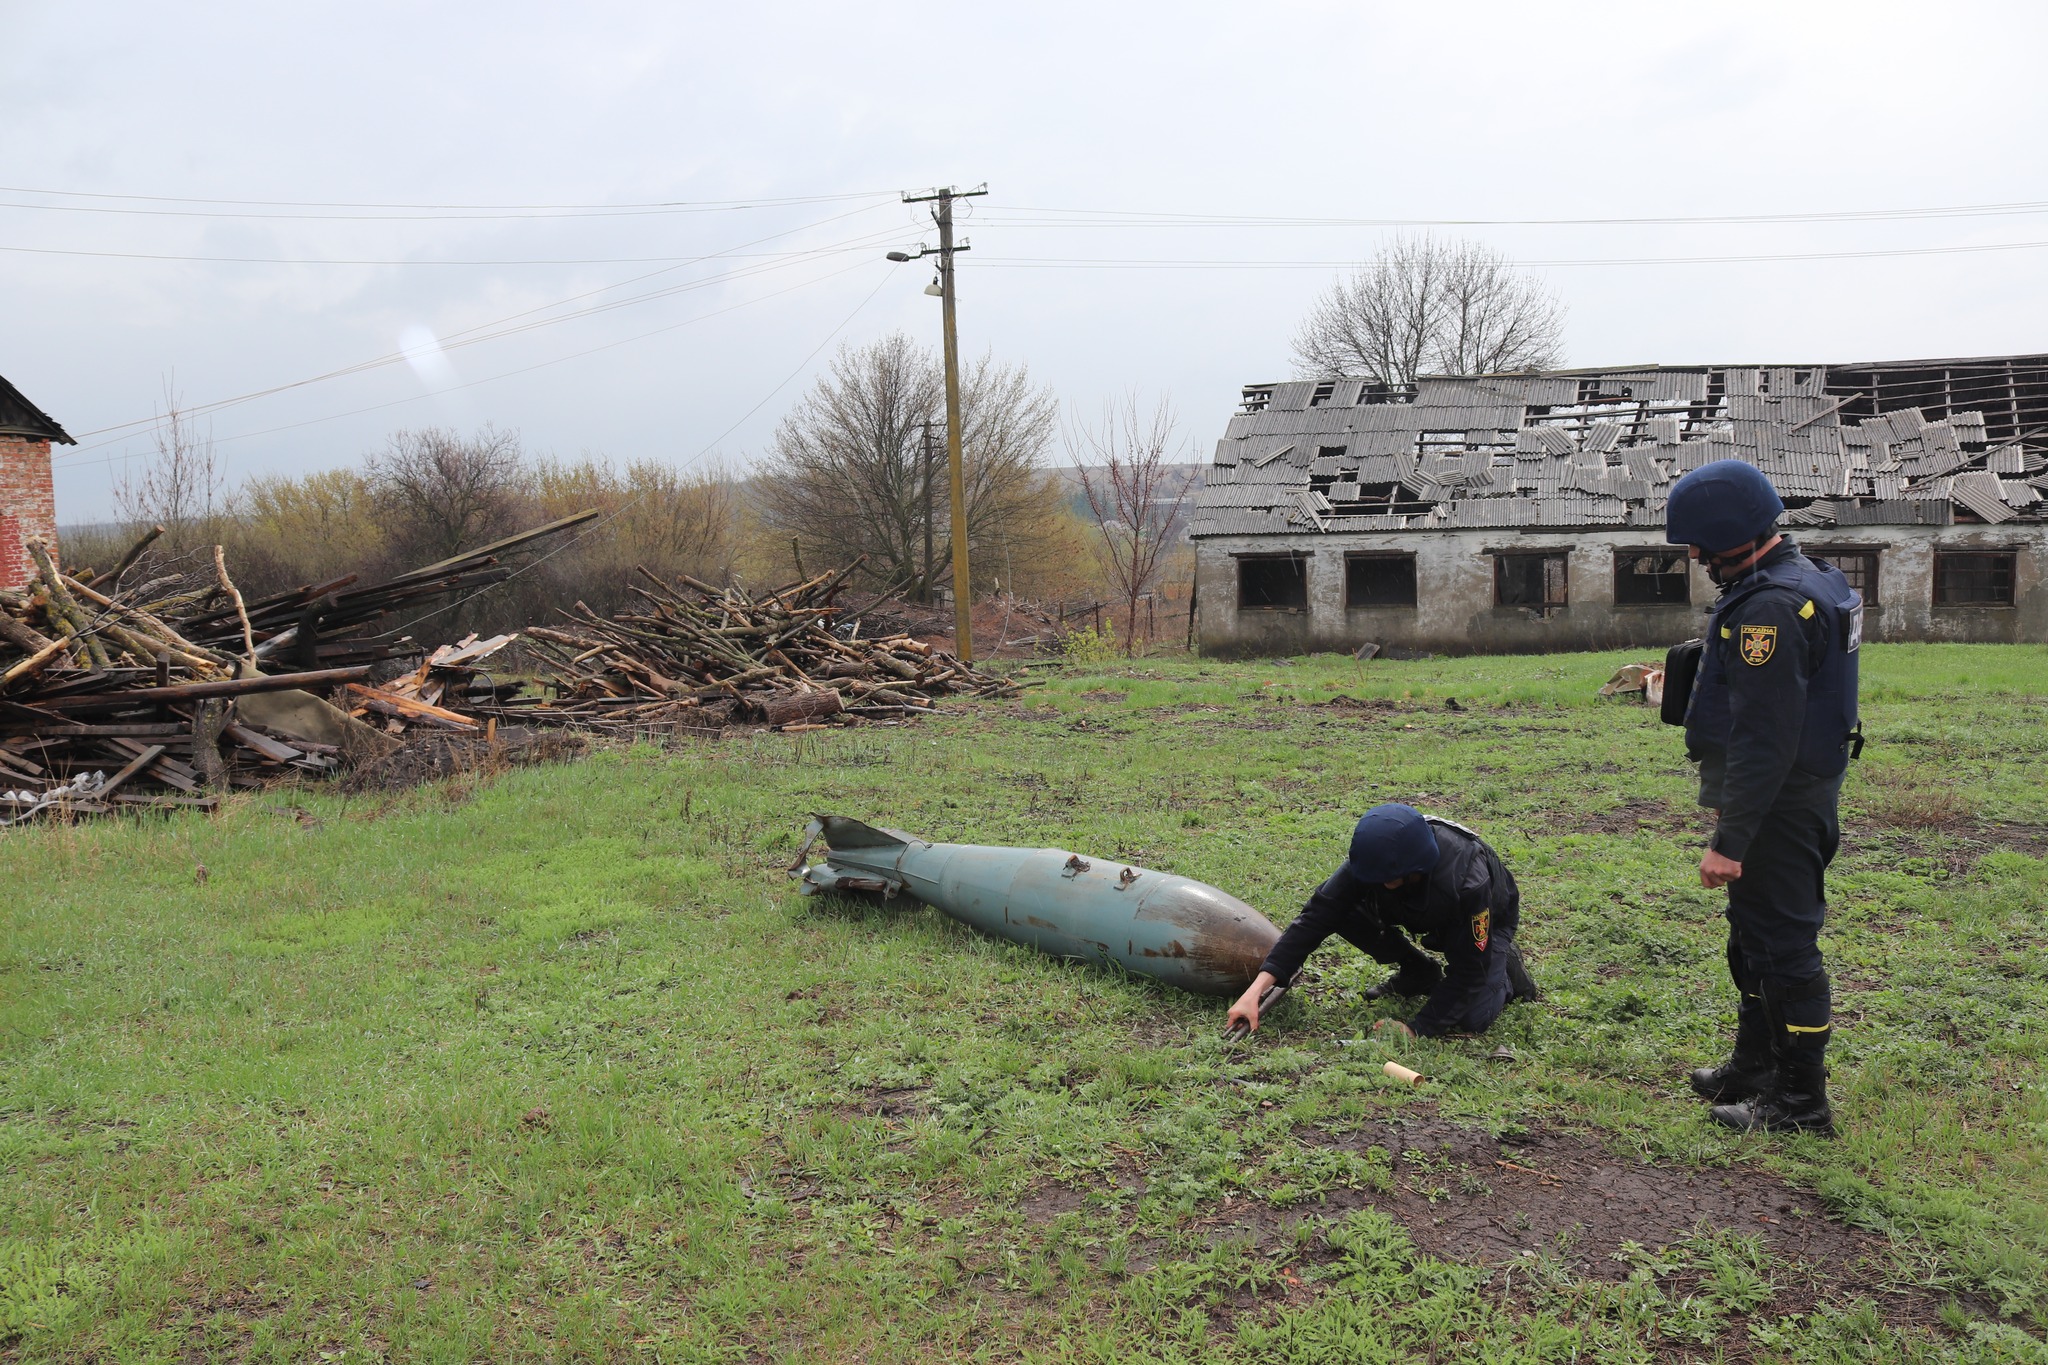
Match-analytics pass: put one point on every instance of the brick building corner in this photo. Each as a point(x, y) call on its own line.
point(28, 497)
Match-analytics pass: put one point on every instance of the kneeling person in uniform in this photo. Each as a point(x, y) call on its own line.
point(1434, 878)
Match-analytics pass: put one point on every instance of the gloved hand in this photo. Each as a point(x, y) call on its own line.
point(1413, 979)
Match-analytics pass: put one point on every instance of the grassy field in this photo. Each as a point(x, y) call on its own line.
point(556, 1066)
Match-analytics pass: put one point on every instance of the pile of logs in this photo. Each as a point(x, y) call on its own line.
point(697, 655)
point(166, 694)
point(118, 699)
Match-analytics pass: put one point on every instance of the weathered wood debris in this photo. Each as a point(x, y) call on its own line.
point(167, 693)
point(695, 655)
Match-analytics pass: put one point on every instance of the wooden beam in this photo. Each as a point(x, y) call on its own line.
point(224, 687)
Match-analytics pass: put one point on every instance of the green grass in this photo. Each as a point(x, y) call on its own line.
point(557, 1066)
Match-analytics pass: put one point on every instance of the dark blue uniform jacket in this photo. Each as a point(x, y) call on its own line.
point(1467, 905)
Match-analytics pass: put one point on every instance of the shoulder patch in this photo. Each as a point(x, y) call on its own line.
point(1758, 643)
point(1482, 927)
point(1806, 612)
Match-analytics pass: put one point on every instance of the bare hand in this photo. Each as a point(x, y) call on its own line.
point(1394, 1025)
point(1717, 871)
point(1246, 1011)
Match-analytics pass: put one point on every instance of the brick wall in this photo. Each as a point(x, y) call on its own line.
point(28, 504)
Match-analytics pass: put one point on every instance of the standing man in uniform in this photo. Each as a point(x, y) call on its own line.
point(1413, 871)
point(1770, 721)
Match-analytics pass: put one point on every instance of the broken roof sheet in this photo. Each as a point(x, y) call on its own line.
point(1914, 442)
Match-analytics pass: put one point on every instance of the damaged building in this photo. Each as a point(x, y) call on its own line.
point(1525, 512)
point(28, 501)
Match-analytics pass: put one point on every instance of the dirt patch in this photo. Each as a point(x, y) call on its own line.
point(1466, 1196)
point(1104, 694)
point(1654, 816)
point(885, 1102)
point(1940, 853)
point(1343, 703)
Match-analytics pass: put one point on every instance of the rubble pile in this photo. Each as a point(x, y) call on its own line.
point(167, 693)
point(697, 655)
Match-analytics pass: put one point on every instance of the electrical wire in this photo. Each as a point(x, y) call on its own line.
point(318, 260)
point(636, 500)
point(407, 212)
point(504, 327)
point(470, 384)
point(1157, 263)
point(1049, 217)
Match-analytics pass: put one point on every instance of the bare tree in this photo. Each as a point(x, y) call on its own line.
point(181, 487)
point(1131, 470)
point(1428, 305)
point(442, 491)
point(846, 476)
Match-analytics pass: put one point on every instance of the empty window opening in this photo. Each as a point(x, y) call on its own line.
point(1651, 578)
point(1529, 580)
point(1256, 397)
point(1373, 391)
point(1272, 583)
point(1858, 566)
point(1322, 394)
point(1386, 580)
point(1973, 578)
point(1331, 452)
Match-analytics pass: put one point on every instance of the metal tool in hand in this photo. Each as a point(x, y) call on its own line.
point(1268, 998)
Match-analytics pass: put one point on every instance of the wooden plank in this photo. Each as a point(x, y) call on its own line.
point(61, 729)
point(411, 706)
point(225, 687)
point(135, 765)
point(163, 768)
point(271, 749)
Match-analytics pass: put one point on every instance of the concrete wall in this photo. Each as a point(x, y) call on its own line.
point(28, 505)
point(1456, 613)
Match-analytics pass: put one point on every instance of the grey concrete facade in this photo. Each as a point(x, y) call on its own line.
point(1455, 610)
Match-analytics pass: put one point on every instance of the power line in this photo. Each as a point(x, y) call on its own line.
point(482, 332)
point(342, 204)
point(488, 379)
point(1158, 263)
point(1145, 218)
point(318, 260)
point(635, 501)
point(411, 213)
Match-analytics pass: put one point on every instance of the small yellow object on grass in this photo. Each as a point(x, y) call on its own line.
point(1403, 1074)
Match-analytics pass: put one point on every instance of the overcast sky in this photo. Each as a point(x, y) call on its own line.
point(710, 319)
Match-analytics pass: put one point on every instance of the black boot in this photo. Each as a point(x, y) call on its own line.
point(1797, 1103)
point(1521, 986)
point(1749, 1070)
point(1419, 977)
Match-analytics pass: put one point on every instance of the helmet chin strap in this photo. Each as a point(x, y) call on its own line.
point(1725, 566)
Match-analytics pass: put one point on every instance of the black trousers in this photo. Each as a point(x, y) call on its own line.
point(1775, 912)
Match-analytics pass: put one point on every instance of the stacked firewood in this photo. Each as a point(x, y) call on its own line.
point(698, 655)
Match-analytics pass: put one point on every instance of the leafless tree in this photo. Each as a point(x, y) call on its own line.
point(1131, 467)
point(1429, 305)
point(442, 491)
point(181, 487)
point(847, 474)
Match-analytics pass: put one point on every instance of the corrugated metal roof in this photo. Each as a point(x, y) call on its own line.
point(1599, 453)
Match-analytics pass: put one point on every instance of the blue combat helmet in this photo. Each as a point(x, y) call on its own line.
point(1391, 842)
point(1720, 506)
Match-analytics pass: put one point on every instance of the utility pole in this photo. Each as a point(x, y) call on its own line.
point(925, 580)
point(942, 213)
